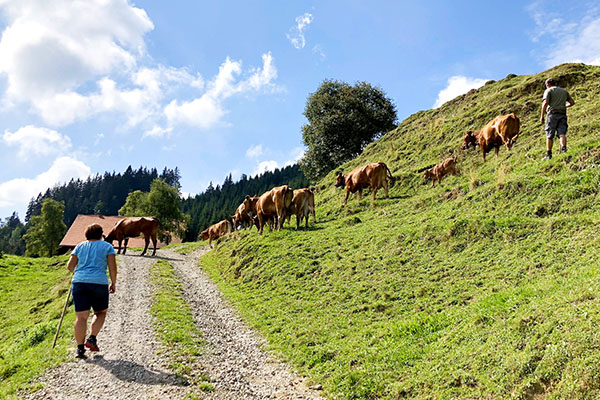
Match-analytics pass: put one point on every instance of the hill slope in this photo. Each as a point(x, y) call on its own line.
point(484, 287)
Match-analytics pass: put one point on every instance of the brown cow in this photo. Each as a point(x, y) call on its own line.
point(134, 227)
point(245, 213)
point(372, 175)
point(274, 204)
point(471, 139)
point(215, 231)
point(503, 129)
point(436, 173)
point(303, 204)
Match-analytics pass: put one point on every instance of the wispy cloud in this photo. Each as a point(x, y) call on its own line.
point(456, 86)
point(255, 151)
point(207, 110)
point(264, 166)
point(568, 41)
point(296, 33)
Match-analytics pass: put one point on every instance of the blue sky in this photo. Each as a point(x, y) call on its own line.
point(88, 86)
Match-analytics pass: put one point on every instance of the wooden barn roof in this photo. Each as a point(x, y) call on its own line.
point(76, 232)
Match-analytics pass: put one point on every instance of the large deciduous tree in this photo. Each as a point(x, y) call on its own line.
point(163, 202)
point(342, 120)
point(45, 230)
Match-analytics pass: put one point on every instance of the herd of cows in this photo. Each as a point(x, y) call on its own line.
point(277, 205)
point(280, 203)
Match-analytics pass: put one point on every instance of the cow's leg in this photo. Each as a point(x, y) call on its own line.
point(374, 194)
point(154, 244)
point(385, 187)
point(496, 150)
point(359, 195)
point(483, 151)
point(125, 241)
point(261, 223)
point(347, 194)
point(147, 242)
point(298, 220)
point(210, 241)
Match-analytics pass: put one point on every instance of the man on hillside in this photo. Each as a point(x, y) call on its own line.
point(556, 102)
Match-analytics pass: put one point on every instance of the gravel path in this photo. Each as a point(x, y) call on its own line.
point(129, 365)
point(238, 366)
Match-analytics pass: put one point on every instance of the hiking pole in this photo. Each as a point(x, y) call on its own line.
point(62, 316)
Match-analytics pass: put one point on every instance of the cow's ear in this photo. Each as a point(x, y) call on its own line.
point(247, 197)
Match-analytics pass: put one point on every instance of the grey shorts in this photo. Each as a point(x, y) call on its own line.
point(556, 124)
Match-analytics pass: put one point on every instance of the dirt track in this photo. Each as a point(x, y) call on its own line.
point(129, 365)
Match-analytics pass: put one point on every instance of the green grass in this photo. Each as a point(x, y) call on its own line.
point(32, 296)
point(175, 326)
point(188, 247)
point(486, 286)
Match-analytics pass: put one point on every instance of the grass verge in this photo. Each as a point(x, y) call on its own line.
point(175, 327)
point(32, 296)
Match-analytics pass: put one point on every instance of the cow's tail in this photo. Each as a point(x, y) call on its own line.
point(389, 173)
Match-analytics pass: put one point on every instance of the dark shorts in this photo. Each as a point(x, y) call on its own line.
point(90, 295)
point(556, 124)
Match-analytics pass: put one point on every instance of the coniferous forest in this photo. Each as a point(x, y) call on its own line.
point(106, 194)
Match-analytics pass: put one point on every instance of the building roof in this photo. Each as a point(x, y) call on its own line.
point(76, 232)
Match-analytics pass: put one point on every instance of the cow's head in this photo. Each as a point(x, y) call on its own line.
point(250, 204)
point(428, 174)
point(469, 140)
point(204, 234)
point(110, 237)
point(340, 179)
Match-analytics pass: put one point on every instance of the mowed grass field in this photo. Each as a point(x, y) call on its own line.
point(33, 292)
point(486, 286)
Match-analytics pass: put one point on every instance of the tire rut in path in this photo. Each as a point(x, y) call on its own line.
point(128, 365)
point(234, 358)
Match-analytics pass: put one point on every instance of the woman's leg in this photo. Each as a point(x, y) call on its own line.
point(97, 322)
point(81, 325)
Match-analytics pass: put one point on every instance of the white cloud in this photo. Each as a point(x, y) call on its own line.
point(296, 34)
point(18, 192)
point(570, 41)
point(582, 45)
point(255, 151)
point(207, 110)
point(34, 141)
point(297, 153)
point(265, 166)
point(53, 46)
point(457, 85)
point(158, 132)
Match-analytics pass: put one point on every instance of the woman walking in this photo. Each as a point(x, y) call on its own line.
point(90, 287)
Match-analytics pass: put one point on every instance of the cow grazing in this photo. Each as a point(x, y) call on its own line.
point(244, 214)
point(274, 204)
point(436, 173)
point(503, 129)
point(134, 227)
point(303, 204)
point(471, 139)
point(374, 175)
point(215, 231)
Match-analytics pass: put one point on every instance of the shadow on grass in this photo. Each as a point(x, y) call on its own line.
point(129, 371)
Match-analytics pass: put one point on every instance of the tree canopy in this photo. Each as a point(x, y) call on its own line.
point(46, 230)
point(342, 120)
point(163, 202)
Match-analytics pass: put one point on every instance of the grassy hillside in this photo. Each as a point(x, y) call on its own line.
point(32, 295)
point(484, 287)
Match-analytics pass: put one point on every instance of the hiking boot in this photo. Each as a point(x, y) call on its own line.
point(563, 149)
point(80, 353)
point(547, 157)
point(91, 344)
